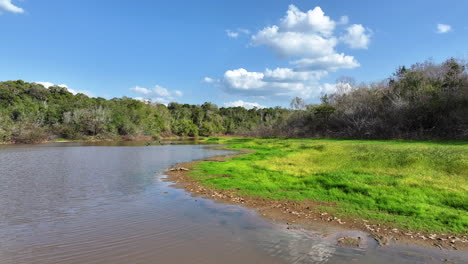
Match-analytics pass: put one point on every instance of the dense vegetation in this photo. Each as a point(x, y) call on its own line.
point(414, 185)
point(31, 113)
point(425, 101)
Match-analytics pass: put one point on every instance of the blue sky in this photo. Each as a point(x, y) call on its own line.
point(226, 52)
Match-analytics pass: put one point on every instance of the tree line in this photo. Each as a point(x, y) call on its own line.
point(424, 101)
point(29, 113)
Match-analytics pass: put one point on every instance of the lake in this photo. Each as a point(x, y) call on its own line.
point(108, 203)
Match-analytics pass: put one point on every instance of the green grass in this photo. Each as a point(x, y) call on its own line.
point(421, 186)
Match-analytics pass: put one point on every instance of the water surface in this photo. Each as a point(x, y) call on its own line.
point(107, 203)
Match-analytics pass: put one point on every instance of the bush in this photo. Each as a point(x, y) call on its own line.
point(28, 133)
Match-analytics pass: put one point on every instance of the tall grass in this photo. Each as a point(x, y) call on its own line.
point(414, 185)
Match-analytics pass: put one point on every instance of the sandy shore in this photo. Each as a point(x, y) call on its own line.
point(310, 213)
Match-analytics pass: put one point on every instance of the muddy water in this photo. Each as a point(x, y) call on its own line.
point(72, 203)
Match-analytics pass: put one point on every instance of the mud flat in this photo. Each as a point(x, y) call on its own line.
point(309, 214)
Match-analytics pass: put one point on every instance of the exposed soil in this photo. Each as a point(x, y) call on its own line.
point(303, 213)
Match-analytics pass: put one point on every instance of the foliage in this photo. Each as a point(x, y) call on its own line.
point(31, 113)
point(424, 101)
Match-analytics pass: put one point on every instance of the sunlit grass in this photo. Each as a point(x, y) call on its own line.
point(414, 185)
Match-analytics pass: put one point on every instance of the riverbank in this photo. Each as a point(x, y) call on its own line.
point(105, 139)
point(351, 184)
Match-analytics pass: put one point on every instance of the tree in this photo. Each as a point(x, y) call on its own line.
point(297, 104)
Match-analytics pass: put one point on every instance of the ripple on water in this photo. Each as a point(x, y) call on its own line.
point(68, 204)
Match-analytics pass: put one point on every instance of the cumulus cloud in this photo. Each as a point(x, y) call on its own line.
point(156, 91)
point(247, 105)
point(286, 75)
point(161, 91)
point(327, 88)
point(308, 40)
point(158, 94)
point(140, 90)
point(8, 6)
point(313, 21)
point(241, 79)
point(49, 84)
point(357, 37)
point(161, 100)
point(142, 99)
point(158, 100)
point(291, 44)
point(332, 62)
point(443, 28)
point(279, 82)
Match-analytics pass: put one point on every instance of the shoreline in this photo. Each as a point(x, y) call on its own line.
point(101, 140)
point(308, 213)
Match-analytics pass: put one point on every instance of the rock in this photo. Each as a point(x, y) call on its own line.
point(350, 241)
point(179, 169)
point(382, 240)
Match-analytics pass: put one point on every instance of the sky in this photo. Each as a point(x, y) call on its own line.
point(232, 53)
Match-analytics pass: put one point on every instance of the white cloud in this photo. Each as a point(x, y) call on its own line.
point(160, 100)
point(75, 92)
point(272, 83)
point(243, 31)
point(158, 94)
point(292, 44)
point(241, 79)
point(209, 80)
point(343, 87)
point(140, 90)
point(247, 105)
point(343, 20)
point(49, 84)
point(331, 62)
point(157, 100)
point(161, 91)
point(178, 93)
point(312, 21)
point(327, 88)
point(309, 37)
point(287, 75)
point(357, 37)
point(236, 33)
point(232, 34)
point(309, 41)
point(8, 6)
point(144, 100)
point(443, 28)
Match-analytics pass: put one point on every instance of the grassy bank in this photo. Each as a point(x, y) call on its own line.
point(419, 186)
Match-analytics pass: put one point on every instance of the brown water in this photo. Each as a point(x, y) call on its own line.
point(75, 203)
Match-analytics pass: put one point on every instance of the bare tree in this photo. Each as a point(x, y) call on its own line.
point(297, 104)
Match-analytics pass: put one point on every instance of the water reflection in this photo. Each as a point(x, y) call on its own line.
point(75, 203)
